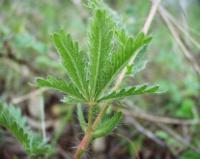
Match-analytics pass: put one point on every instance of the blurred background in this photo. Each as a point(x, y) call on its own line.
point(155, 126)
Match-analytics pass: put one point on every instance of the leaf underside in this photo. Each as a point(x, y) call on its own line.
point(140, 62)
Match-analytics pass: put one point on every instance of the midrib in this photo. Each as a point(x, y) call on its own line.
point(98, 63)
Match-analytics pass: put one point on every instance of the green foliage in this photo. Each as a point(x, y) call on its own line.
point(73, 60)
point(186, 109)
point(25, 40)
point(11, 118)
point(167, 138)
point(135, 90)
point(134, 146)
point(60, 85)
point(110, 49)
point(190, 155)
point(101, 34)
point(107, 125)
point(81, 118)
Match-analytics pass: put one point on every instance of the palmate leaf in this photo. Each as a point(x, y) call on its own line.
point(11, 118)
point(60, 85)
point(135, 90)
point(73, 60)
point(110, 49)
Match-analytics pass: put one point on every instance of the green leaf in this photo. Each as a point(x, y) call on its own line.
point(186, 109)
point(108, 124)
point(81, 118)
point(60, 85)
point(189, 154)
point(162, 134)
point(139, 62)
point(126, 48)
point(11, 118)
point(73, 60)
point(107, 60)
point(110, 50)
point(135, 90)
point(100, 38)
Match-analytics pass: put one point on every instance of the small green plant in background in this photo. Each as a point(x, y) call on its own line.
point(12, 119)
point(92, 75)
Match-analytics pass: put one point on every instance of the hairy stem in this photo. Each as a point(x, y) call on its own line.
point(100, 115)
point(83, 144)
point(90, 117)
point(86, 139)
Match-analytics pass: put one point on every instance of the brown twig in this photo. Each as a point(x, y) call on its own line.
point(174, 21)
point(151, 15)
point(178, 137)
point(37, 124)
point(18, 100)
point(177, 38)
point(137, 112)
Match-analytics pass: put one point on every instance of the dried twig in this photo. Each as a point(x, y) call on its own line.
point(178, 137)
point(63, 153)
point(151, 15)
point(174, 21)
point(140, 114)
point(18, 100)
point(176, 36)
point(37, 124)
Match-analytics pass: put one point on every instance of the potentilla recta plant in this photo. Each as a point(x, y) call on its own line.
point(91, 75)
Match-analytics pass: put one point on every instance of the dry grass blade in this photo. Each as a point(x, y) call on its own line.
point(25, 97)
point(136, 112)
point(176, 36)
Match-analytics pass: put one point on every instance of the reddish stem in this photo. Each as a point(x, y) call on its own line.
point(83, 145)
